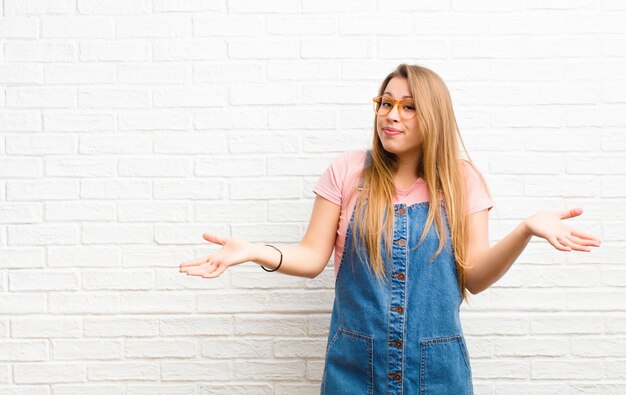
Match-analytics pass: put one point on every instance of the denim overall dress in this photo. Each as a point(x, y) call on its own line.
point(401, 335)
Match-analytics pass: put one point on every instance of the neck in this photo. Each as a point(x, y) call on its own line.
point(408, 166)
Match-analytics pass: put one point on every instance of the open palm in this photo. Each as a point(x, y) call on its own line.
point(233, 252)
point(549, 225)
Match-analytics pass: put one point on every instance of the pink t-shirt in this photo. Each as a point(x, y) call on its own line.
point(342, 176)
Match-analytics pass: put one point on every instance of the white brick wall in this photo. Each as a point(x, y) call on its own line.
point(129, 128)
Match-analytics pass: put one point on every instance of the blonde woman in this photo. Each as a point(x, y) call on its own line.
point(408, 222)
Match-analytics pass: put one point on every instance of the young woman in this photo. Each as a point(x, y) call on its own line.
point(408, 222)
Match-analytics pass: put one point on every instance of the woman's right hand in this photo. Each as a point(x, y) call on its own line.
point(233, 252)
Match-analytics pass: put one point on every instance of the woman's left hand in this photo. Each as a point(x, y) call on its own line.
point(549, 225)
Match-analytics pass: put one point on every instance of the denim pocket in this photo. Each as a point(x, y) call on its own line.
point(348, 367)
point(444, 366)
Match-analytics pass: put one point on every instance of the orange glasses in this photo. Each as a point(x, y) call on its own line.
point(384, 104)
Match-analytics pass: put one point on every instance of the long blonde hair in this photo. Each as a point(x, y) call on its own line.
point(440, 166)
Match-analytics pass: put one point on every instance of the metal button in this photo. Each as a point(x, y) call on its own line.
point(400, 276)
point(401, 242)
point(396, 343)
point(401, 211)
point(395, 376)
point(398, 309)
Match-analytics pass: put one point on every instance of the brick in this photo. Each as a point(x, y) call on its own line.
point(160, 389)
point(197, 325)
point(20, 213)
point(263, 49)
point(36, 7)
point(153, 26)
point(39, 51)
point(115, 144)
point(189, 143)
point(79, 74)
point(141, 211)
point(284, 301)
point(43, 281)
point(113, 98)
point(46, 327)
point(196, 189)
point(196, 371)
point(92, 256)
point(159, 349)
point(146, 371)
point(20, 121)
point(115, 327)
point(116, 233)
point(18, 167)
point(159, 73)
point(191, 5)
point(23, 350)
point(232, 70)
point(40, 97)
point(154, 167)
point(163, 119)
point(117, 280)
point(327, 48)
point(115, 189)
point(75, 166)
point(156, 302)
point(302, 25)
point(228, 26)
point(209, 96)
point(126, 50)
point(233, 166)
point(42, 234)
point(189, 50)
point(78, 121)
point(80, 389)
point(299, 348)
point(86, 349)
point(227, 348)
point(21, 74)
point(21, 258)
point(49, 372)
point(36, 144)
point(265, 188)
point(72, 303)
point(270, 370)
point(116, 7)
point(76, 27)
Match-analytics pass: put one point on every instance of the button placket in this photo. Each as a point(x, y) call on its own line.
point(398, 299)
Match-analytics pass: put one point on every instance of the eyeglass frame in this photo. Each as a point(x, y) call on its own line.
point(396, 103)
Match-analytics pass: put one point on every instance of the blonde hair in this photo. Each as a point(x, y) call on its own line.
point(440, 166)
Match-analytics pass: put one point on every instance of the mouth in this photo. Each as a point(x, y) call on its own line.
point(391, 131)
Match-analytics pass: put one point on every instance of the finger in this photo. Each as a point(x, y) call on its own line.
point(567, 241)
point(584, 235)
point(584, 242)
point(571, 213)
point(200, 269)
point(213, 238)
point(219, 270)
point(553, 240)
point(195, 262)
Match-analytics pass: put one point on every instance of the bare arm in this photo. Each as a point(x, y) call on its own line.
point(308, 259)
point(489, 264)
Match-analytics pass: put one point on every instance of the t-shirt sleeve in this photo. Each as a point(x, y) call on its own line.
point(477, 197)
point(330, 185)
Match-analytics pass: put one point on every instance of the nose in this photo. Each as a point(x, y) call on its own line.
point(394, 113)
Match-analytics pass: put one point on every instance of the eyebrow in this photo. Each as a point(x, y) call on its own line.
point(404, 97)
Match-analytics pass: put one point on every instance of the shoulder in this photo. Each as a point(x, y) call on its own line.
point(470, 172)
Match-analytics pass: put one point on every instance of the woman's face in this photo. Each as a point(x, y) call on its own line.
point(398, 136)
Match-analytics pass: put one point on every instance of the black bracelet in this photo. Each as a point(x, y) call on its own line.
point(279, 263)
